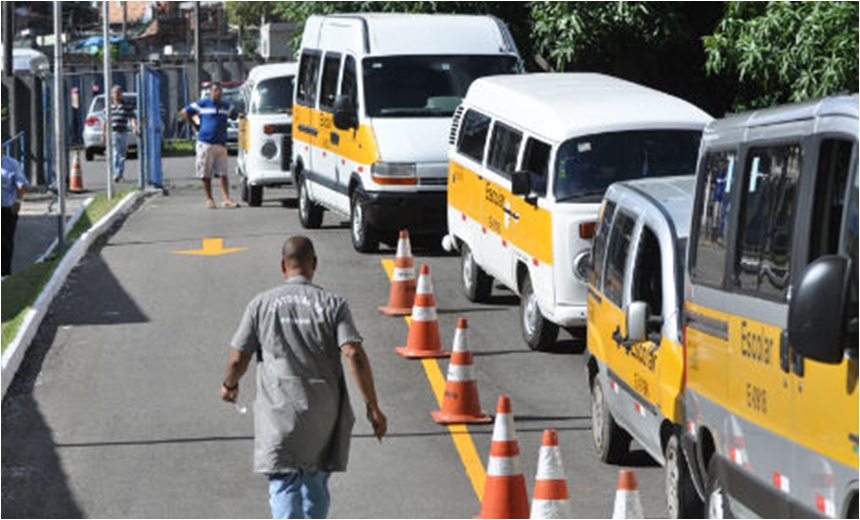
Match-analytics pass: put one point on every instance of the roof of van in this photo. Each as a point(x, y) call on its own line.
point(672, 196)
point(381, 34)
point(559, 106)
point(269, 70)
point(830, 106)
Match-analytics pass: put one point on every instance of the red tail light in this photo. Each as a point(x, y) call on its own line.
point(269, 129)
point(93, 121)
point(586, 230)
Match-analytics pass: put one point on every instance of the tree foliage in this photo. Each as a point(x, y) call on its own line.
point(781, 52)
point(250, 13)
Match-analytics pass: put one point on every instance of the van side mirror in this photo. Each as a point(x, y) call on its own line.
point(637, 322)
point(345, 116)
point(521, 183)
point(816, 326)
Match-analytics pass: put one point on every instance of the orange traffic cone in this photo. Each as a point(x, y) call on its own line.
point(627, 503)
point(505, 494)
point(402, 295)
point(76, 177)
point(461, 404)
point(423, 340)
point(551, 499)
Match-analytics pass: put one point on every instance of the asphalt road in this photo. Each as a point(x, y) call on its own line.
point(116, 412)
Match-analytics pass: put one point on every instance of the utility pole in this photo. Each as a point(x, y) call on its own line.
point(197, 62)
point(108, 133)
point(124, 19)
point(59, 130)
point(9, 67)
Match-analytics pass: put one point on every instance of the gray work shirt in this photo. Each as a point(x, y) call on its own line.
point(302, 415)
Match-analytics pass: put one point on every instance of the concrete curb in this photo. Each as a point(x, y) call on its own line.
point(68, 228)
point(14, 354)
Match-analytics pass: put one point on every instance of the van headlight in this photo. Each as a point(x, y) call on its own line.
point(582, 265)
point(269, 149)
point(394, 173)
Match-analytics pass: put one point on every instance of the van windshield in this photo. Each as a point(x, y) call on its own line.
point(586, 166)
point(425, 86)
point(273, 96)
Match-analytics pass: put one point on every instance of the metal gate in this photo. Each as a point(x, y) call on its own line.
point(149, 103)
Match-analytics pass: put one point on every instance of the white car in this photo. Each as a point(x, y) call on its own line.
point(93, 142)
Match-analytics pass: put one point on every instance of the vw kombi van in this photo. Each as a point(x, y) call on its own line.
point(770, 406)
point(265, 130)
point(531, 158)
point(373, 107)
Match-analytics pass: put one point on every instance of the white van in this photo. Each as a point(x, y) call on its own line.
point(372, 111)
point(531, 158)
point(265, 131)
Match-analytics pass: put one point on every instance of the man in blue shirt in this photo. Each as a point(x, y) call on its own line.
point(14, 183)
point(212, 142)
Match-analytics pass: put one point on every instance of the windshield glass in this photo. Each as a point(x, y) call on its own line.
point(425, 86)
point(273, 96)
point(586, 166)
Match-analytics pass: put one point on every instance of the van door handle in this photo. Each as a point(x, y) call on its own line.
point(335, 138)
point(513, 214)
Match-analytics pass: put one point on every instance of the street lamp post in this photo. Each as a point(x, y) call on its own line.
point(108, 133)
point(59, 131)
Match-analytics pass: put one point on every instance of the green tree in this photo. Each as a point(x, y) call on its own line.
point(780, 52)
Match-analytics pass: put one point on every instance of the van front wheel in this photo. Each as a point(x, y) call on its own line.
point(477, 284)
point(364, 237)
point(539, 332)
point(610, 442)
point(310, 213)
point(682, 500)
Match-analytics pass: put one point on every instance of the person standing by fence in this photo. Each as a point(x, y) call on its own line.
point(14, 183)
point(122, 120)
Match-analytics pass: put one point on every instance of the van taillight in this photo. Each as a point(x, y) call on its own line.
point(93, 121)
point(269, 129)
point(586, 230)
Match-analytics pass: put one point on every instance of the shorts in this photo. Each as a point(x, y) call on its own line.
point(211, 160)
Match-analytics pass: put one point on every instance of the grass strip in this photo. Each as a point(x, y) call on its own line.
point(20, 290)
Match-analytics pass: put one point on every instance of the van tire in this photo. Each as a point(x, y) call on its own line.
point(477, 284)
point(717, 503)
point(255, 195)
point(682, 500)
point(89, 154)
point(610, 441)
point(243, 189)
point(310, 213)
point(364, 238)
point(538, 332)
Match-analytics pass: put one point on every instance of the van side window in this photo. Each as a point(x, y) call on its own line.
point(648, 273)
point(834, 163)
point(616, 257)
point(348, 86)
point(708, 258)
point(331, 68)
point(473, 135)
point(536, 162)
point(308, 74)
point(504, 149)
point(604, 223)
point(763, 257)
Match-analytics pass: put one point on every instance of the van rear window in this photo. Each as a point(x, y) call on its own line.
point(587, 165)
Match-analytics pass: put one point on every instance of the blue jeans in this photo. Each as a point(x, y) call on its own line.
point(120, 149)
point(302, 494)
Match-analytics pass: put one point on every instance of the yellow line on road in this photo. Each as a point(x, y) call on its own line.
point(459, 432)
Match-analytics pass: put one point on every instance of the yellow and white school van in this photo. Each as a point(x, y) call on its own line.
point(372, 110)
point(531, 158)
point(770, 408)
point(265, 140)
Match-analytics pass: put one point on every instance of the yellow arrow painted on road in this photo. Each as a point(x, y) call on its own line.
point(211, 247)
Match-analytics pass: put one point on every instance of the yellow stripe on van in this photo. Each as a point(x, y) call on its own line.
point(524, 225)
point(356, 145)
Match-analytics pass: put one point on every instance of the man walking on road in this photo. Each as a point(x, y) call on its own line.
point(212, 142)
point(302, 415)
point(122, 120)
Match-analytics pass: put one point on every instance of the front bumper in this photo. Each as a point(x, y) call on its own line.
point(422, 213)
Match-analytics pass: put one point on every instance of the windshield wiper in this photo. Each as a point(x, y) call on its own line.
point(583, 195)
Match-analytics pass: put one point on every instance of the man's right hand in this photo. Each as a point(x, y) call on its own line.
point(378, 421)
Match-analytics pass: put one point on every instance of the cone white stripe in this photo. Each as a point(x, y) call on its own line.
point(627, 505)
point(549, 464)
point(460, 373)
point(423, 313)
point(503, 467)
point(503, 429)
point(403, 274)
point(425, 285)
point(551, 509)
point(461, 341)
point(404, 248)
